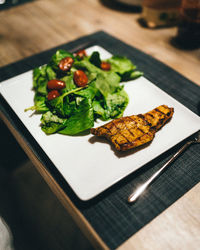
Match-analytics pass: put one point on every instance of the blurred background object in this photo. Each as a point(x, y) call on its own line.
point(157, 13)
point(131, 2)
point(2, 1)
point(5, 4)
point(127, 6)
point(188, 35)
point(6, 241)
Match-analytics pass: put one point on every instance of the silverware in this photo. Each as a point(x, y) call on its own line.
point(135, 195)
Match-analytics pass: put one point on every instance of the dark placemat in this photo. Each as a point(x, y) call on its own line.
point(110, 215)
point(12, 3)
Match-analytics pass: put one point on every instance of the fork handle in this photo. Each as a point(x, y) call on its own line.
point(136, 194)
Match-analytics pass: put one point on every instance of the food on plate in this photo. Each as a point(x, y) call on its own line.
point(53, 94)
point(81, 53)
point(66, 63)
point(133, 131)
point(56, 84)
point(73, 90)
point(80, 78)
point(105, 66)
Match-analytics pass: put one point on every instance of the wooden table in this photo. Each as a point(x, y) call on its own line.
point(41, 25)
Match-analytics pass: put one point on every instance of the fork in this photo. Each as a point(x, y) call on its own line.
point(136, 194)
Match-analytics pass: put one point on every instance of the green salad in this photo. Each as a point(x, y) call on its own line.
point(73, 90)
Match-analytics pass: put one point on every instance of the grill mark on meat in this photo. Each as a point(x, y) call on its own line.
point(136, 126)
point(128, 128)
point(108, 129)
point(144, 119)
point(119, 130)
point(145, 123)
point(117, 143)
point(132, 143)
point(151, 115)
point(141, 130)
point(124, 136)
point(156, 109)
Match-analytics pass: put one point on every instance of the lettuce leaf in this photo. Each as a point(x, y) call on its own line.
point(52, 123)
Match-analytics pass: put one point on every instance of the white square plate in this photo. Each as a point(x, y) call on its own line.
point(91, 166)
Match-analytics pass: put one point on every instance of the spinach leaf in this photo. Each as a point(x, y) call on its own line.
point(95, 59)
point(58, 56)
point(81, 120)
point(85, 64)
point(99, 111)
point(40, 80)
point(57, 105)
point(120, 64)
point(42, 86)
point(52, 123)
point(69, 82)
point(135, 74)
point(89, 92)
point(131, 75)
point(36, 74)
point(110, 79)
point(107, 82)
point(61, 104)
point(50, 73)
point(41, 76)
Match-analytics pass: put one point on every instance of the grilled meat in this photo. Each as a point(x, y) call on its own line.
point(133, 131)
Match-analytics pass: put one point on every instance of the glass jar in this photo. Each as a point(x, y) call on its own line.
point(158, 13)
point(188, 35)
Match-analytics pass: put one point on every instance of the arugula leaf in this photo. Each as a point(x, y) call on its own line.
point(52, 123)
point(40, 104)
